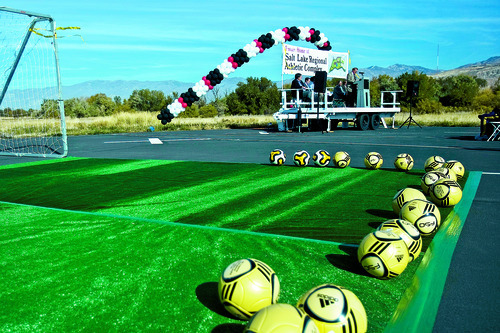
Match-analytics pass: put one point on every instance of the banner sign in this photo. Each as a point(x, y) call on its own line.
point(308, 61)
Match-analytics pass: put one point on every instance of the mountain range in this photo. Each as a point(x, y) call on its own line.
point(488, 69)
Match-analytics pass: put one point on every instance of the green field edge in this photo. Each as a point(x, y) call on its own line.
point(418, 307)
point(177, 224)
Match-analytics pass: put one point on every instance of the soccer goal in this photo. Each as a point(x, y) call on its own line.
point(31, 107)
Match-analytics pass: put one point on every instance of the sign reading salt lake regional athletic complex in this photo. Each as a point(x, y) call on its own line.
point(308, 61)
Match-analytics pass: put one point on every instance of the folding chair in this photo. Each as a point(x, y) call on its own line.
point(496, 130)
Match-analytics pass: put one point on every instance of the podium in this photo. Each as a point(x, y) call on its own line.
point(363, 93)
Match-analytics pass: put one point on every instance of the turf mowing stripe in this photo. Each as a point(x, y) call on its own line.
point(202, 197)
point(184, 225)
point(417, 309)
point(292, 194)
point(304, 204)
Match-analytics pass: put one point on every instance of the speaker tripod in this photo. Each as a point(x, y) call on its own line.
point(410, 119)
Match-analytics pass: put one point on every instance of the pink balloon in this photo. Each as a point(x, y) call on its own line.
point(308, 39)
point(184, 105)
point(230, 59)
point(285, 30)
point(207, 82)
point(204, 78)
point(326, 44)
point(259, 44)
point(287, 37)
point(181, 100)
point(235, 65)
point(311, 31)
point(210, 87)
point(261, 50)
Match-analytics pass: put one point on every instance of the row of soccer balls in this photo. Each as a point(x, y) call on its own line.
point(386, 252)
point(249, 289)
point(341, 159)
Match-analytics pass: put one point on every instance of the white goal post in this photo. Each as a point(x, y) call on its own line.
point(32, 119)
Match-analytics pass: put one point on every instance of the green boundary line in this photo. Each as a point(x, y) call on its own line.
point(417, 309)
point(195, 226)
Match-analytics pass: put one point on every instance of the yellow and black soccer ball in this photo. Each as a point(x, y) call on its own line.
point(448, 173)
point(383, 254)
point(247, 286)
point(301, 158)
point(341, 159)
point(403, 196)
point(322, 158)
point(423, 214)
point(373, 160)
point(277, 157)
point(429, 179)
point(445, 193)
point(407, 231)
point(457, 167)
point(404, 162)
point(433, 163)
point(281, 318)
point(334, 309)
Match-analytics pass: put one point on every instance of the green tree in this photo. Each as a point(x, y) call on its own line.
point(101, 105)
point(458, 91)
point(486, 100)
point(147, 100)
point(76, 108)
point(48, 109)
point(256, 96)
point(192, 111)
point(382, 83)
point(208, 111)
point(429, 88)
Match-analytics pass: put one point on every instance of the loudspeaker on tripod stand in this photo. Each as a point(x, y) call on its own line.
point(320, 82)
point(412, 88)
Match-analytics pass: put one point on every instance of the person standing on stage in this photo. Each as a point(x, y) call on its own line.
point(352, 90)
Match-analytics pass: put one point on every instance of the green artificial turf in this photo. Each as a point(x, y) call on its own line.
point(331, 204)
point(69, 271)
point(134, 245)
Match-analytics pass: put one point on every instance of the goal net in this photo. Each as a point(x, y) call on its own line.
point(31, 108)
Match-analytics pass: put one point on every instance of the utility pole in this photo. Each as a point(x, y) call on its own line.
point(437, 64)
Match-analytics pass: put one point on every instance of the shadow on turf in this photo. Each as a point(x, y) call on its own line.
point(228, 328)
point(386, 214)
point(348, 261)
point(207, 293)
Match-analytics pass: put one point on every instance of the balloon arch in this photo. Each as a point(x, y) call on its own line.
point(214, 77)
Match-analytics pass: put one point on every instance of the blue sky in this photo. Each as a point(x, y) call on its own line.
point(184, 40)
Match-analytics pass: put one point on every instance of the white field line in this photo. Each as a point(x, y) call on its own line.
point(164, 140)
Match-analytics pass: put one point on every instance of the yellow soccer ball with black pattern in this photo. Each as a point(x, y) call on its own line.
point(429, 179)
point(448, 173)
point(341, 159)
point(423, 214)
point(404, 162)
point(457, 167)
point(433, 163)
point(301, 158)
point(247, 286)
point(334, 309)
point(407, 231)
point(277, 157)
point(373, 160)
point(281, 318)
point(445, 193)
point(322, 158)
point(383, 254)
point(403, 196)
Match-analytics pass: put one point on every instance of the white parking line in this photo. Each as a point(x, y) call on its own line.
point(164, 140)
